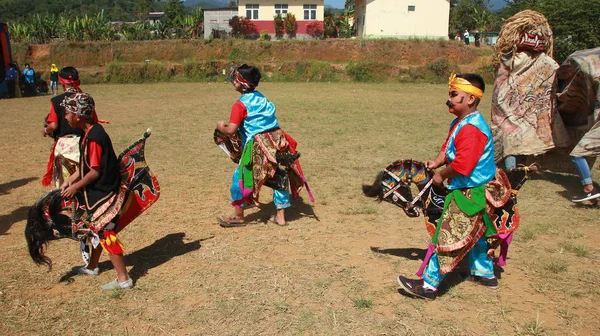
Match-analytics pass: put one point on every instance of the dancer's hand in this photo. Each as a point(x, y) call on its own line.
point(431, 164)
point(69, 192)
point(220, 125)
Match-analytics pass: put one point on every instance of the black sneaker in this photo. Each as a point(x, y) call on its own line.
point(415, 288)
point(586, 196)
point(487, 282)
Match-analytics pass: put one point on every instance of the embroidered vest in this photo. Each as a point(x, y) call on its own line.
point(485, 169)
point(261, 115)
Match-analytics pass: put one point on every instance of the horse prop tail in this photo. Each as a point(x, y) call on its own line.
point(375, 190)
point(36, 230)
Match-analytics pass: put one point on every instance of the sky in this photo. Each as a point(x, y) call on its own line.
point(335, 3)
point(494, 4)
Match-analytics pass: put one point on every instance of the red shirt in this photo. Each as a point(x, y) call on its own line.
point(469, 143)
point(238, 113)
point(94, 154)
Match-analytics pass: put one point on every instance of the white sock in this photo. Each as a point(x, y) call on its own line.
point(428, 286)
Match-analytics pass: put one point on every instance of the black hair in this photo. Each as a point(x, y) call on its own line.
point(69, 72)
point(250, 73)
point(474, 79)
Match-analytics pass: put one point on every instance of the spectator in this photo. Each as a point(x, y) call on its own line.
point(29, 75)
point(466, 36)
point(11, 80)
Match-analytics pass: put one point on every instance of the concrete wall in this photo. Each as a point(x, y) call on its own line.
point(218, 20)
point(392, 18)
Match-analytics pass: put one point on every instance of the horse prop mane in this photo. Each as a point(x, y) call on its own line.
point(53, 217)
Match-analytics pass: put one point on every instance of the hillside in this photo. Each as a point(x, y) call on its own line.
point(295, 60)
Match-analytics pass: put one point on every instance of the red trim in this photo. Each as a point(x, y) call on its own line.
point(269, 26)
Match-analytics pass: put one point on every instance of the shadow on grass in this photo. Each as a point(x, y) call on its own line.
point(298, 210)
point(454, 278)
point(6, 187)
point(407, 253)
point(156, 254)
point(17, 215)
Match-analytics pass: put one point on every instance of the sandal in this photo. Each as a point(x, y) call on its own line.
point(273, 219)
point(231, 221)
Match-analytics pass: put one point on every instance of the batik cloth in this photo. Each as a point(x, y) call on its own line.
point(463, 222)
point(259, 163)
point(579, 100)
point(524, 121)
point(66, 159)
point(480, 264)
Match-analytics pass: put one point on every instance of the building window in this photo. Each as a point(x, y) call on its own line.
point(281, 9)
point(252, 11)
point(310, 12)
point(411, 8)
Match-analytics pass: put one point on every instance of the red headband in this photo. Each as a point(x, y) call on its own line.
point(71, 81)
point(244, 82)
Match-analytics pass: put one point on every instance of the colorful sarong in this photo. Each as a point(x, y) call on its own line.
point(260, 162)
point(463, 223)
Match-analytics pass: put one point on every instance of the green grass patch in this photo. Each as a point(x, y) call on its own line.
point(362, 303)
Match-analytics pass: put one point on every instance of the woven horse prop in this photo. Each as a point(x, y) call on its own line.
point(393, 185)
point(53, 217)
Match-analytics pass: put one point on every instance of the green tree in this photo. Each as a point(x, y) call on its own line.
point(574, 22)
point(142, 8)
point(174, 11)
point(279, 26)
point(462, 14)
point(291, 26)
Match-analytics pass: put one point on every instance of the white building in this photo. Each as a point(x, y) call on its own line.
point(401, 18)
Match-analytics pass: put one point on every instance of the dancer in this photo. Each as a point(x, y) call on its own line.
point(464, 225)
point(268, 156)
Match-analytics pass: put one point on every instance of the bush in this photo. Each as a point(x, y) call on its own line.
point(440, 70)
point(279, 26)
point(291, 26)
point(264, 35)
point(242, 27)
point(315, 29)
point(119, 72)
point(199, 70)
point(359, 71)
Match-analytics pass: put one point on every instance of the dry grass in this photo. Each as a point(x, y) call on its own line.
point(319, 275)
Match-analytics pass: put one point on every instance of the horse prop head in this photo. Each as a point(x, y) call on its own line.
point(394, 185)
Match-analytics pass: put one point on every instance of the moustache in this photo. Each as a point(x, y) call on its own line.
point(449, 103)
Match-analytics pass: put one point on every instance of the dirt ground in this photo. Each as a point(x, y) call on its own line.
point(331, 271)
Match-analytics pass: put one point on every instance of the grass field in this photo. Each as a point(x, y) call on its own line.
point(331, 271)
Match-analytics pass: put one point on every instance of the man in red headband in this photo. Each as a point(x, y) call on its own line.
point(65, 153)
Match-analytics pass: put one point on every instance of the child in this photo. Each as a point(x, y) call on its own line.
point(65, 152)
point(268, 154)
point(463, 227)
point(96, 186)
point(54, 79)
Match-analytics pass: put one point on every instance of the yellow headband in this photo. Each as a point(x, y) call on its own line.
point(464, 85)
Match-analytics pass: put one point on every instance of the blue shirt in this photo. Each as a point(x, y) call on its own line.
point(11, 74)
point(29, 76)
